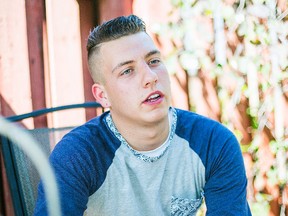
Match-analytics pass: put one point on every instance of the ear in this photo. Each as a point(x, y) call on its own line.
point(100, 95)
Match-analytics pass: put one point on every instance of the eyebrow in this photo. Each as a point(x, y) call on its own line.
point(153, 52)
point(122, 64)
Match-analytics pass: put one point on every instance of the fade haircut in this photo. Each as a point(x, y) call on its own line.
point(108, 31)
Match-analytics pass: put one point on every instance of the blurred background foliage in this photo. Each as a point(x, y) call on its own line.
point(231, 59)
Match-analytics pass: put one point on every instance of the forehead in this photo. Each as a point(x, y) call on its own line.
point(127, 48)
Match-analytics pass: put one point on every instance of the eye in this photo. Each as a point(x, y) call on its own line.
point(126, 72)
point(154, 61)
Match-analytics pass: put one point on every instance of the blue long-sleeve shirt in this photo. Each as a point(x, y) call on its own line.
point(98, 173)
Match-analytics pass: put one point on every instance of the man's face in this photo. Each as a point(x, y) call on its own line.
point(137, 86)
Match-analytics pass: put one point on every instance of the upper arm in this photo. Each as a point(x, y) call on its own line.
point(71, 169)
point(226, 182)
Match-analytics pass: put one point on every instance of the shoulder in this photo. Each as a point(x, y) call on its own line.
point(192, 123)
point(207, 137)
point(92, 134)
point(82, 136)
point(85, 151)
point(87, 143)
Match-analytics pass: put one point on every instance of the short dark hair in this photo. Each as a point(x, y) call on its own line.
point(108, 31)
point(114, 29)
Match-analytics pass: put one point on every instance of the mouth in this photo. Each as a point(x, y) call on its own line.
point(154, 97)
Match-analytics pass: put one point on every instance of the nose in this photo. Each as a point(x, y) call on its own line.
point(150, 77)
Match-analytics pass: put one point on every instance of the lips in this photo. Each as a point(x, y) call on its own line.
point(154, 97)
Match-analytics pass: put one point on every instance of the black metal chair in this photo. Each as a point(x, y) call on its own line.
point(22, 176)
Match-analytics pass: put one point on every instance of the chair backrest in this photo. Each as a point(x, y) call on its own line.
point(22, 176)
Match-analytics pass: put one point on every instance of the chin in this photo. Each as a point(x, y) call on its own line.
point(158, 114)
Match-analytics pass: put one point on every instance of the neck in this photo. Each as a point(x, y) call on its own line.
point(144, 137)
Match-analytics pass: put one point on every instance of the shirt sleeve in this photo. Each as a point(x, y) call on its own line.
point(72, 168)
point(226, 182)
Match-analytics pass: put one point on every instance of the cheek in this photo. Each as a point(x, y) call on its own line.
point(164, 76)
point(162, 71)
point(120, 93)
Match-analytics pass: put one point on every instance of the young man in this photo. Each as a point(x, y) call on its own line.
point(143, 157)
